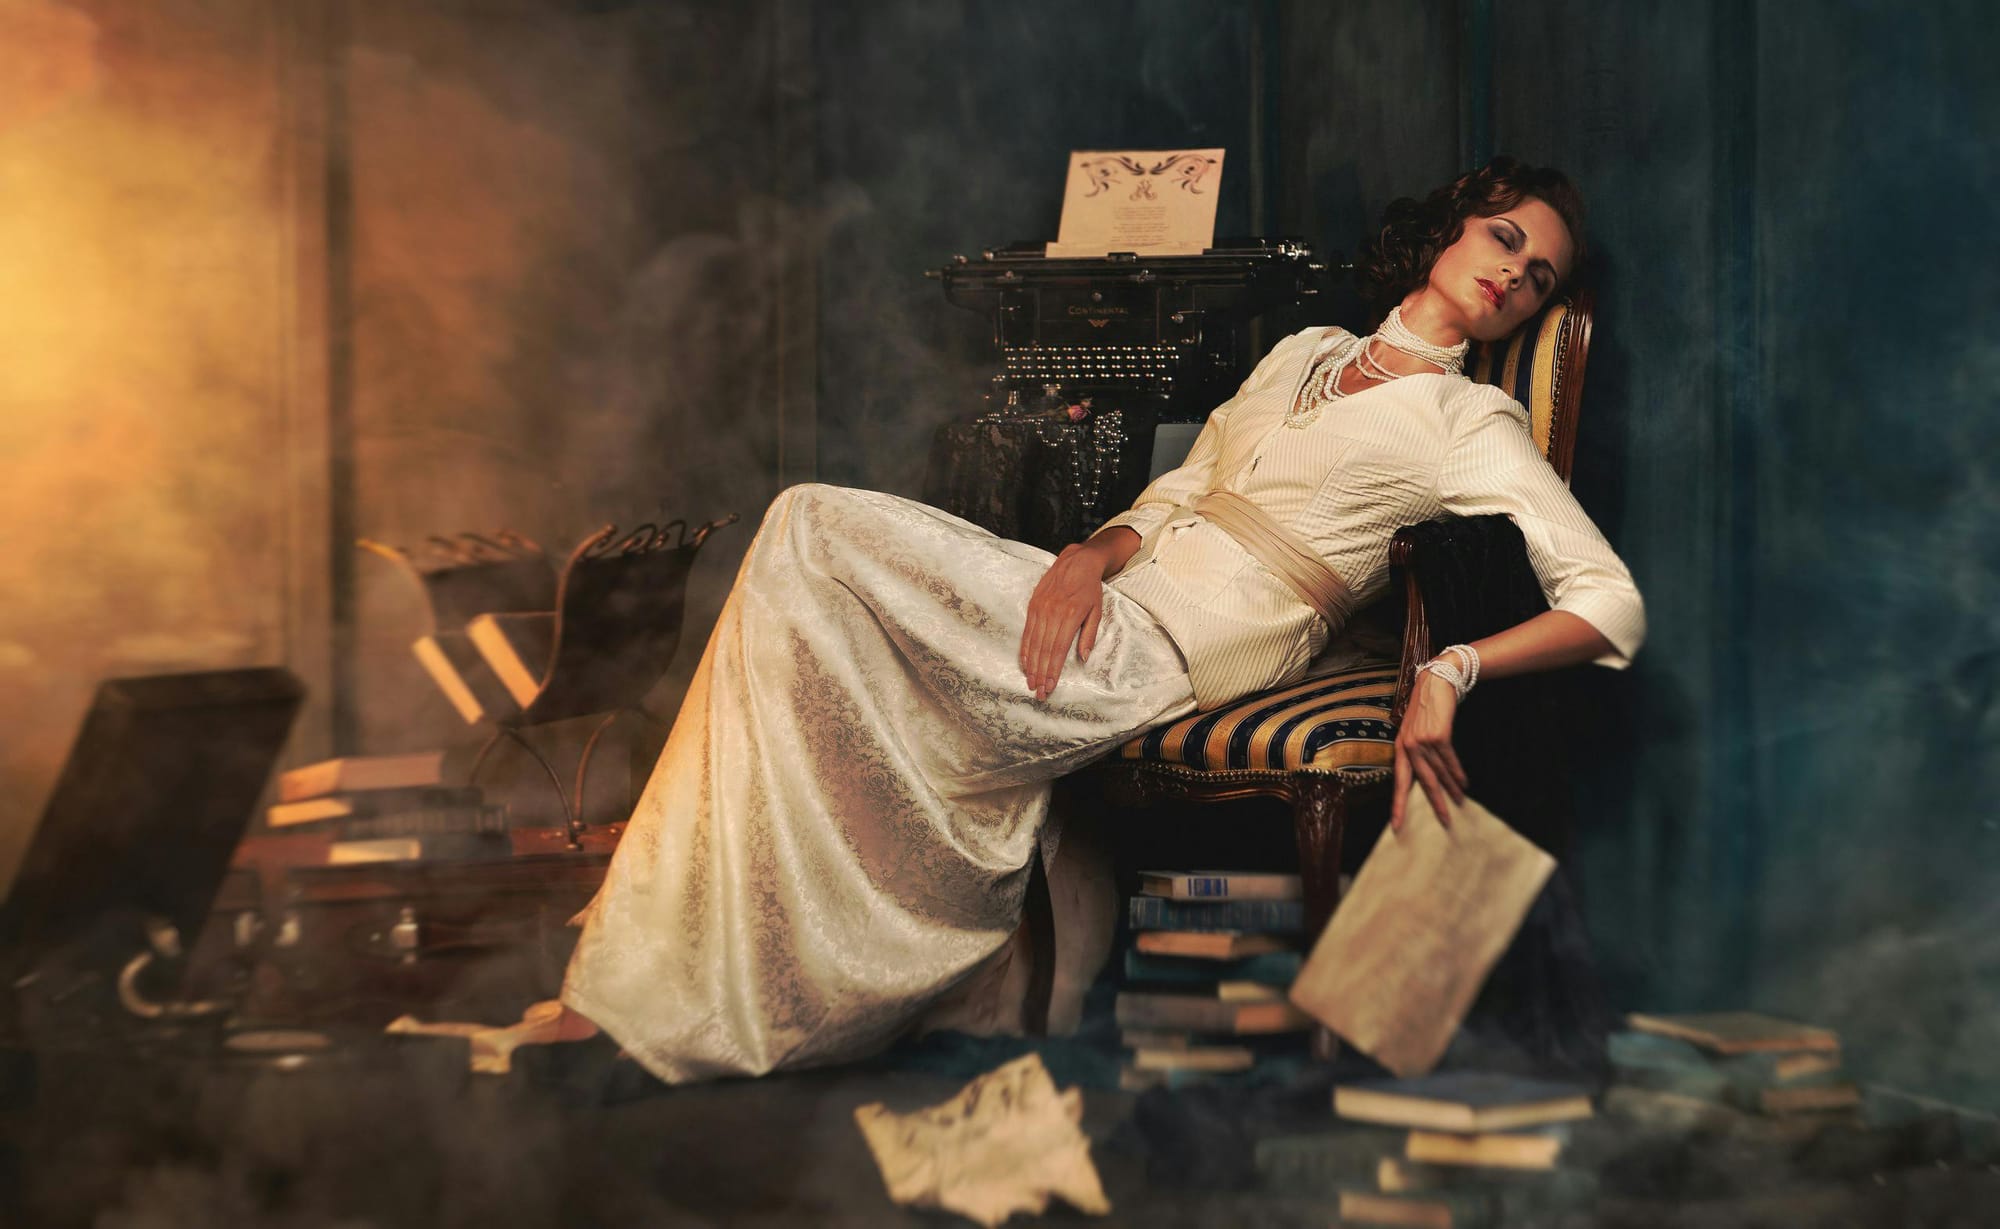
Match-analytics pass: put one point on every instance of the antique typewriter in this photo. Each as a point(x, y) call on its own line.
point(1106, 368)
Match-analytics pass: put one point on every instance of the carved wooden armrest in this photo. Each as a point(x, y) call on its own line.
point(1463, 577)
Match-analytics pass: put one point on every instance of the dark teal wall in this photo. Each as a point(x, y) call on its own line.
point(1874, 584)
point(1792, 435)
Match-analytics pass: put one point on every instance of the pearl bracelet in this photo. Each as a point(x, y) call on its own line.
point(1461, 673)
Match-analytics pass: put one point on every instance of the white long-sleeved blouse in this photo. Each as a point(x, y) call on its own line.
point(1374, 461)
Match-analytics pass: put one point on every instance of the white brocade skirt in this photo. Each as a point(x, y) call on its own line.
point(840, 826)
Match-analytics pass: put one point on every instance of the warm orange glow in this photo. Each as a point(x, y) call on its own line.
point(52, 58)
point(142, 317)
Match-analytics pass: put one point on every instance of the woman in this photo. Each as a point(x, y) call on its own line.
point(839, 828)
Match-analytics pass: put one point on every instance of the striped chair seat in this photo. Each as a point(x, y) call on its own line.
point(1333, 721)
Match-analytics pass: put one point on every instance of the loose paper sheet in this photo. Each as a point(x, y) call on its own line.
point(1410, 945)
point(493, 1046)
point(1003, 1145)
point(1152, 202)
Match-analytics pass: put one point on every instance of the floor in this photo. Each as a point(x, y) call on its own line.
point(377, 1134)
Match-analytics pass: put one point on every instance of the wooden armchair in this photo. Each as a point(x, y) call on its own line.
point(612, 635)
point(1325, 745)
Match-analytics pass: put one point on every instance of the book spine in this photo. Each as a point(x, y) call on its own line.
point(300, 784)
point(1175, 1011)
point(1270, 968)
point(1275, 916)
point(445, 847)
point(486, 820)
point(1462, 1209)
point(1222, 887)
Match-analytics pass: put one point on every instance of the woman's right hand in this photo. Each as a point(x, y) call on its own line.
point(1067, 606)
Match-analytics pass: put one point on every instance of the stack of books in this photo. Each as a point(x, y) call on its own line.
point(1750, 1062)
point(389, 808)
point(1205, 979)
point(1477, 1149)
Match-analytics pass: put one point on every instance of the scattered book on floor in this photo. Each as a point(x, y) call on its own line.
point(1266, 916)
point(1525, 1196)
point(1206, 944)
point(361, 772)
point(1668, 1064)
point(1194, 1058)
point(1206, 1014)
point(1467, 1101)
point(1268, 968)
point(517, 648)
point(1133, 1079)
point(1790, 1068)
point(360, 804)
point(1738, 1032)
point(1397, 1175)
point(1806, 1099)
point(1489, 1149)
point(1637, 1051)
point(461, 673)
point(1414, 939)
point(1324, 1162)
point(1471, 1209)
point(1680, 1114)
point(1220, 885)
point(418, 849)
point(1136, 1079)
point(1560, 1184)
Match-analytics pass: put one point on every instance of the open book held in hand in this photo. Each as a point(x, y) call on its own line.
point(1413, 940)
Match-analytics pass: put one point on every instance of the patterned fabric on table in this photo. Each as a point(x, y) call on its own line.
point(1524, 367)
point(1338, 720)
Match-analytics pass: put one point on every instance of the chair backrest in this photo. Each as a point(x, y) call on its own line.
point(618, 620)
point(1541, 366)
point(472, 574)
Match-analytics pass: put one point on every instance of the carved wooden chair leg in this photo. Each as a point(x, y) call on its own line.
point(1319, 814)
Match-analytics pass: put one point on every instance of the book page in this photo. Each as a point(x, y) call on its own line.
point(1152, 202)
point(1410, 945)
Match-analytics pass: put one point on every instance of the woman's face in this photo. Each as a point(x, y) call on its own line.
point(1502, 269)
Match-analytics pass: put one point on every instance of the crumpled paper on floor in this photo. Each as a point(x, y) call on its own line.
point(1003, 1145)
point(493, 1046)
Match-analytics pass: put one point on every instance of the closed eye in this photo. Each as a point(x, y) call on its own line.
point(1512, 236)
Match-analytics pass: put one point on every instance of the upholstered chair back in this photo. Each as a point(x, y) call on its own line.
point(1541, 366)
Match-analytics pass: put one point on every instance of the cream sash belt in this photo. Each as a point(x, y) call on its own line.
point(1287, 555)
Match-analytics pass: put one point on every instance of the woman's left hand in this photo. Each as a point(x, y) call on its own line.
point(1424, 751)
point(1065, 610)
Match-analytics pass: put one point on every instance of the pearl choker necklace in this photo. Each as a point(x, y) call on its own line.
point(1325, 386)
point(1396, 334)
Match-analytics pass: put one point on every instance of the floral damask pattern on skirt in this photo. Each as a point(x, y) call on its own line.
point(840, 826)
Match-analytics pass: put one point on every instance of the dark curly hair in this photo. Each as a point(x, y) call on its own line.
point(1399, 258)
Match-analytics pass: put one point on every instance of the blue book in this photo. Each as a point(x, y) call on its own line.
point(1467, 1102)
point(1156, 913)
point(1270, 969)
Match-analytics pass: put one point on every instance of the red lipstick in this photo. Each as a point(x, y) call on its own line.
point(1490, 291)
